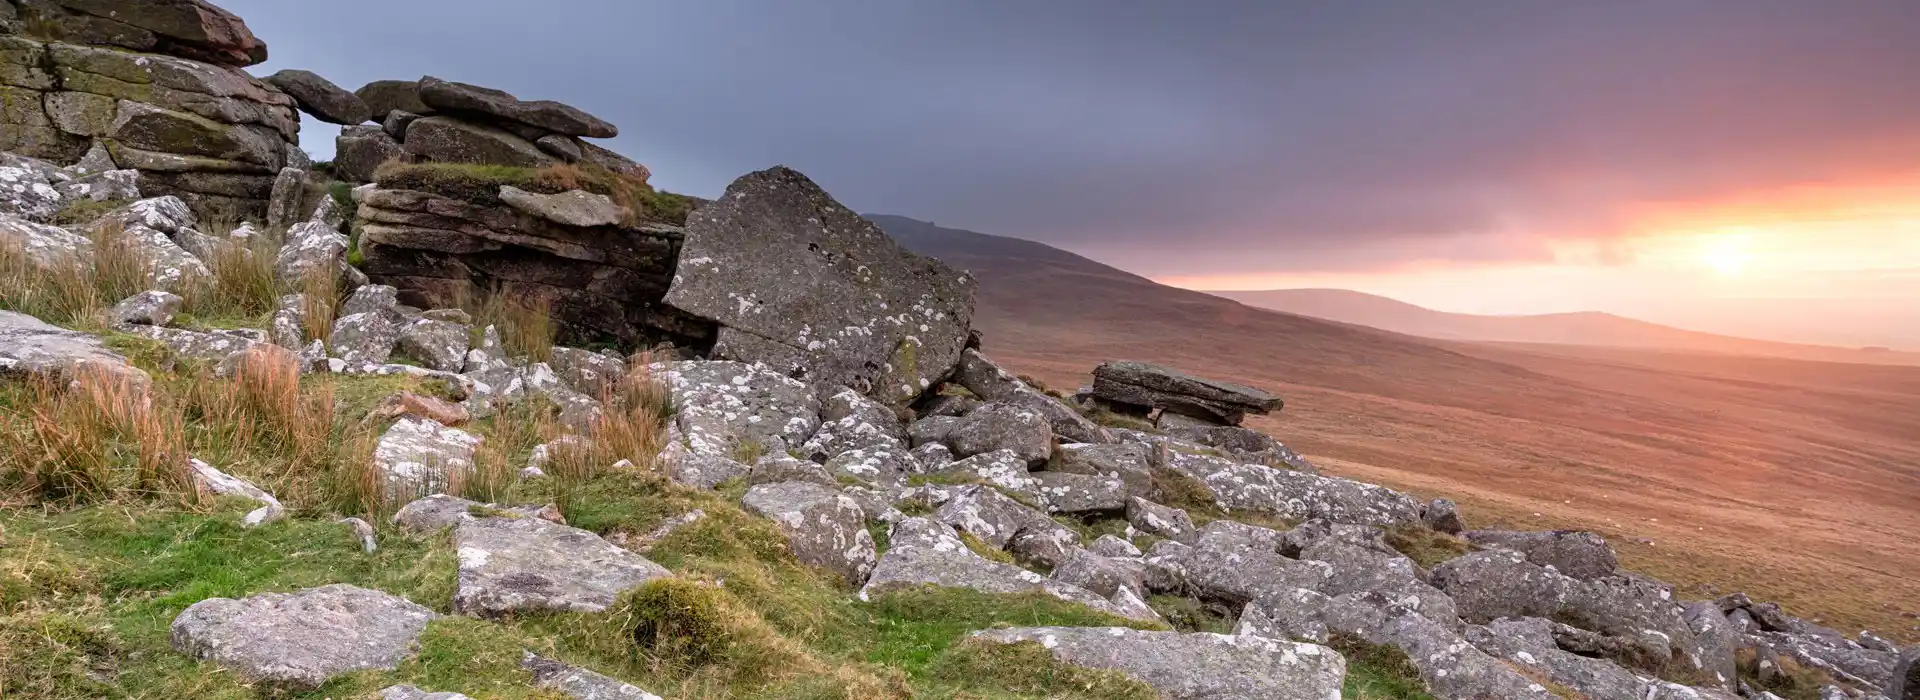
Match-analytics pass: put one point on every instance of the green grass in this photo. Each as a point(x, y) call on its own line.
point(1378, 672)
point(1425, 546)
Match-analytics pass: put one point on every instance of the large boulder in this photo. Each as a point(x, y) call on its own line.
point(1528, 643)
point(998, 426)
point(991, 382)
point(1362, 570)
point(320, 97)
point(823, 528)
point(384, 97)
point(1906, 676)
point(1493, 584)
point(1451, 668)
point(1235, 569)
point(1003, 523)
point(1197, 666)
point(189, 28)
point(152, 128)
point(1142, 384)
point(520, 564)
point(302, 639)
point(449, 96)
point(803, 284)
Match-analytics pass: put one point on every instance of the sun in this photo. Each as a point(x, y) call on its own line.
point(1726, 254)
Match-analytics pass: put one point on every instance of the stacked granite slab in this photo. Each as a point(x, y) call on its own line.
point(1137, 388)
point(151, 85)
point(434, 120)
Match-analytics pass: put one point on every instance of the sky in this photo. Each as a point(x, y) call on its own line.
point(1748, 166)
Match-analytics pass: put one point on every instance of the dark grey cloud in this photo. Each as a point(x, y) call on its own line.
point(1195, 137)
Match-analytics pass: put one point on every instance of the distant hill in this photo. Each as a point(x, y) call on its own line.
point(1583, 328)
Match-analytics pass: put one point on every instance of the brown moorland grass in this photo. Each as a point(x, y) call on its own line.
point(1794, 481)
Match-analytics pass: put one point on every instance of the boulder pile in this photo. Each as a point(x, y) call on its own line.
point(434, 120)
point(155, 87)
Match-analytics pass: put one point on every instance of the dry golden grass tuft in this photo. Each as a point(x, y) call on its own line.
point(320, 297)
point(75, 293)
point(99, 438)
point(525, 322)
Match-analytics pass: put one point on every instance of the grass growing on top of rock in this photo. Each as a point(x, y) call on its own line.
point(480, 184)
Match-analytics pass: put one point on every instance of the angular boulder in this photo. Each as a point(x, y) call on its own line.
point(149, 308)
point(1297, 495)
point(1451, 668)
point(32, 348)
point(1197, 666)
point(823, 528)
point(924, 552)
point(999, 426)
point(721, 406)
point(991, 382)
point(570, 208)
point(1001, 522)
point(449, 96)
point(384, 97)
point(520, 564)
point(360, 150)
point(1142, 384)
point(803, 284)
point(1161, 521)
point(418, 457)
point(303, 639)
point(448, 140)
point(189, 28)
point(321, 98)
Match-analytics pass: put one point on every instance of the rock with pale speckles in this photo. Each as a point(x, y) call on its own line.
point(722, 406)
point(302, 639)
point(1297, 495)
point(823, 527)
point(798, 281)
point(1451, 668)
point(1161, 521)
point(519, 564)
point(1195, 666)
point(924, 552)
point(1004, 523)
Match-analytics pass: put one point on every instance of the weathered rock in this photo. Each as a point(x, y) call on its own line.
point(311, 248)
point(954, 405)
point(510, 565)
point(1142, 384)
point(1080, 493)
point(321, 98)
point(1102, 574)
point(1582, 555)
point(149, 308)
point(82, 113)
point(1002, 468)
point(590, 373)
point(889, 465)
point(997, 426)
point(704, 471)
point(1719, 642)
point(851, 434)
point(432, 513)
point(434, 344)
point(1362, 570)
point(1111, 546)
point(1161, 521)
point(933, 457)
point(1001, 522)
point(189, 28)
point(396, 123)
point(45, 247)
point(613, 162)
point(926, 552)
point(1442, 515)
point(1294, 614)
point(213, 482)
point(302, 639)
point(1297, 495)
point(1127, 461)
point(408, 692)
point(407, 403)
point(570, 208)
point(1240, 444)
point(579, 683)
point(147, 127)
point(932, 429)
point(723, 405)
point(779, 468)
point(383, 97)
point(1844, 660)
point(1906, 676)
point(449, 96)
point(799, 282)
point(366, 338)
point(566, 148)
point(360, 150)
point(418, 457)
point(1493, 584)
point(1198, 666)
point(372, 298)
point(105, 186)
point(991, 382)
point(212, 347)
point(1529, 644)
point(261, 360)
point(449, 140)
point(1451, 668)
point(1237, 571)
point(823, 528)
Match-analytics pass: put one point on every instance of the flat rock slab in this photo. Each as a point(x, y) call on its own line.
point(805, 285)
point(320, 97)
point(1142, 384)
point(1199, 666)
point(579, 683)
point(1298, 495)
point(418, 457)
point(1582, 555)
point(449, 96)
point(302, 639)
point(30, 347)
point(527, 564)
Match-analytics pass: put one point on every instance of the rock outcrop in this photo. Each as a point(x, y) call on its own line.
point(301, 640)
point(1138, 387)
point(157, 87)
point(1193, 666)
point(797, 281)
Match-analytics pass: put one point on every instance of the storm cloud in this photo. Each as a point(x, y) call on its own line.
point(1196, 137)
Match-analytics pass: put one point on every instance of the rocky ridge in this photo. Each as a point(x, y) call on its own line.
point(822, 377)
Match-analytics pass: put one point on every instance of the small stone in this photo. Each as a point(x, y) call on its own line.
point(302, 639)
point(148, 308)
